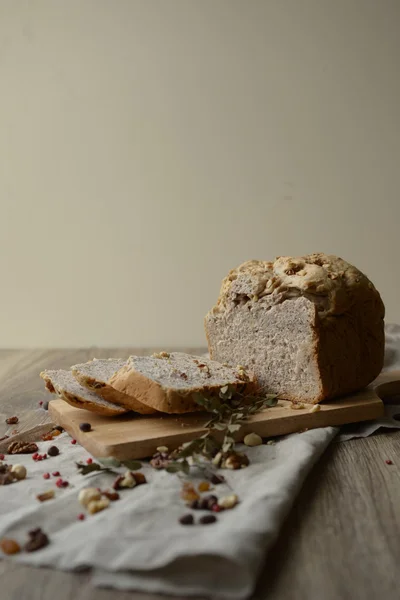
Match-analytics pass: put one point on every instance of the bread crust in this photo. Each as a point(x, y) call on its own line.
point(80, 402)
point(348, 329)
point(162, 398)
point(109, 393)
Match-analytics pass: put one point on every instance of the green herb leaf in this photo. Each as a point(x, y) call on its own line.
point(271, 401)
point(109, 461)
point(85, 469)
point(185, 467)
point(175, 467)
point(218, 426)
point(132, 465)
point(233, 427)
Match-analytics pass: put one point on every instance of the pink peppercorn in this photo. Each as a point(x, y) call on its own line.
point(44, 456)
point(389, 462)
point(65, 484)
point(216, 508)
point(56, 474)
point(46, 475)
point(73, 441)
point(89, 461)
point(81, 517)
point(2, 457)
point(35, 455)
point(41, 402)
point(39, 457)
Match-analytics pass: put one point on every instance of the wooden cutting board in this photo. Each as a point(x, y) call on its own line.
point(139, 436)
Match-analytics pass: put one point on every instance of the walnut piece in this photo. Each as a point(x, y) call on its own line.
point(22, 448)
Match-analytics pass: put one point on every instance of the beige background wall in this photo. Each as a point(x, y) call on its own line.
point(146, 147)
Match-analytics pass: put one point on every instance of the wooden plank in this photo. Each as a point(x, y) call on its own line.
point(139, 436)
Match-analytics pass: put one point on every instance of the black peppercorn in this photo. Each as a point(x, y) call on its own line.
point(85, 427)
point(207, 519)
point(186, 520)
point(53, 451)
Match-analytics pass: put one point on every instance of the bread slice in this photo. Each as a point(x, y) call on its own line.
point(311, 327)
point(95, 375)
point(168, 382)
point(67, 387)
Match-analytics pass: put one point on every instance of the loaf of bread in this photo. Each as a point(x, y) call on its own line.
point(67, 387)
point(168, 381)
point(311, 328)
point(95, 375)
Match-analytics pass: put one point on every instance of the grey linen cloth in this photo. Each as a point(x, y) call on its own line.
point(138, 543)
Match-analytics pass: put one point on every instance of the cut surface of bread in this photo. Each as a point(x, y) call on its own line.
point(168, 381)
point(311, 328)
point(67, 387)
point(95, 375)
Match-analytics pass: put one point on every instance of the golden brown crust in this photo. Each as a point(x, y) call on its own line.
point(74, 400)
point(329, 281)
point(109, 393)
point(81, 402)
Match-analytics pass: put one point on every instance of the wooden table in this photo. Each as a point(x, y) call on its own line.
point(341, 540)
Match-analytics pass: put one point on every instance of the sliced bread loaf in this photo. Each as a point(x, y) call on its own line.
point(95, 375)
point(168, 382)
point(310, 327)
point(67, 387)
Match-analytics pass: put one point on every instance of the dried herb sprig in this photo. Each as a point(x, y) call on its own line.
point(229, 411)
point(108, 464)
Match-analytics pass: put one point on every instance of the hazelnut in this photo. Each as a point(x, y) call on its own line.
point(88, 495)
point(252, 439)
point(228, 501)
point(128, 480)
point(19, 471)
point(97, 505)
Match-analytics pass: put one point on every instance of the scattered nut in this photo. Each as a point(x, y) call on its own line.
point(228, 501)
point(271, 443)
point(6, 476)
point(12, 420)
point(53, 451)
point(295, 406)
point(128, 481)
point(38, 540)
point(113, 496)
point(186, 519)
point(19, 471)
point(235, 460)
point(139, 478)
point(252, 439)
point(217, 479)
point(88, 495)
point(97, 505)
point(162, 449)
point(22, 448)
point(10, 546)
point(85, 427)
point(45, 496)
point(315, 408)
point(207, 519)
